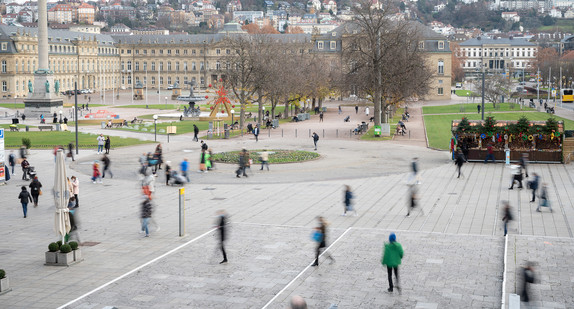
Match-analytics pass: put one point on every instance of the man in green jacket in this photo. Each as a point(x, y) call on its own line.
point(392, 259)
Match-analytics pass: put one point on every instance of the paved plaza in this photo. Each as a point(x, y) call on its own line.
point(454, 252)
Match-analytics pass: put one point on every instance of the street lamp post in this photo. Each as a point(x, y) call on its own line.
point(482, 93)
point(155, 128)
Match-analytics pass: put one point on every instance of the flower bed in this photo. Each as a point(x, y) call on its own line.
point(275, 156)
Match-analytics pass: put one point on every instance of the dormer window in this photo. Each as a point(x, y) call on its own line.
point(421, 45)
point(320, 45)
point(440, 44)
point(334, 33)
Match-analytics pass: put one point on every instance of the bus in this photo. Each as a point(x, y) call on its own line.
point(567, 95)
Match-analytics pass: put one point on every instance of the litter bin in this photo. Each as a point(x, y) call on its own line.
point(27, 128)
point(275, 123)
point(226, 131)
point(58, 127)
point(103, 124)
point(377, 130)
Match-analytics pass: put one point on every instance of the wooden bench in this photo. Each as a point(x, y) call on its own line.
point(41, 128)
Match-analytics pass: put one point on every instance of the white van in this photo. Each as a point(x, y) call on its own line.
point(458, 85)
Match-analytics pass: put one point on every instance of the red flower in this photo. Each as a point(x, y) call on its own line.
point(211, 107)
point(233, 105)
point(223, 112)
point(206, 97)
point(209, 86)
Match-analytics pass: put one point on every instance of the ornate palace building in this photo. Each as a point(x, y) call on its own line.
point(105, 62)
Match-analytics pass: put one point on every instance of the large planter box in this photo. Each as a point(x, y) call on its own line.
point(5, 286)
point(500, 156)
point(51, 257)
point(77, 255)
point(65, 259)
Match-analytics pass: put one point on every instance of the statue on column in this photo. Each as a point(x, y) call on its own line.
point(57, 87)
point(30, 87)
point(47, 86)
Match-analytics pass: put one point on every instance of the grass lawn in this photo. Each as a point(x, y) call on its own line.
point(464, 93)
point(438, 126)
point(564, 25)
point(50, 139)
point(370, 135)
point(471, 107)
point(182, 126)
point(12, 105)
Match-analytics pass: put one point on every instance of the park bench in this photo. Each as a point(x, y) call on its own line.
point(41, 128)
point(117, 123)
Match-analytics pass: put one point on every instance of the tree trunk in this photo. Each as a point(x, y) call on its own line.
point(242, 113)
point(378, 107)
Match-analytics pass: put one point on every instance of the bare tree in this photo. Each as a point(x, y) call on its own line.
point(240, 69)
point(385, 60)
point(495, 86)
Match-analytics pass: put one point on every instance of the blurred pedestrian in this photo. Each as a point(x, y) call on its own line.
point(367, 111)
point(243, 162)
point(12, 161)
point(35, 190)
point(184, 166)
point(516, 173)
point(148, 185)
point(202, 166)
point(195, 132)
point(208, 161)
point(167, 172)
point(158, 155)
point(264, 157)
point(414, 176)
point(71, 151)
point(507, 216)
point(315, 139)
point(96, 176)
point(297, 302)
point(478, 108)
point(76, 189)
point(321, 117)
point(101, 142)
point(524, 163)
point(222, 229)
point(544, 202)
point(357, 109)
point(256, 132)
point(533, 185)
point(489, 154)
point(459, 161)
point(106, 161)
point(204, 145)
point(392, 256)
point(107, 144)
point(25, 168)
point(413, 201)
point(348, 195)
point(320, 237)
point(340, 110)
point(528, 278)
point(146, 215)
point(24, 197)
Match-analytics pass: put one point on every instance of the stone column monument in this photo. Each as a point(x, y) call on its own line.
point(42, 95)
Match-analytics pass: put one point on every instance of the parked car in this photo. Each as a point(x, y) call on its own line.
point(532, 80)
point(522, 83)
point(170, 87)
point(458, 85)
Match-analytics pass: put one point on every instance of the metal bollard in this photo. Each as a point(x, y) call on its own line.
point(281, 132)
point(309, 132)
point(295, 132)
point(323, 133)
point(181, 212)
point(269, 135)
point(337, 134)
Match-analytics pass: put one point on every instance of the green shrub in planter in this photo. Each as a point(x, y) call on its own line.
point(2, 274)
point(53, 247)
point(26, 142)
point(59, 243)
point(65, 248)
point(73, 244)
